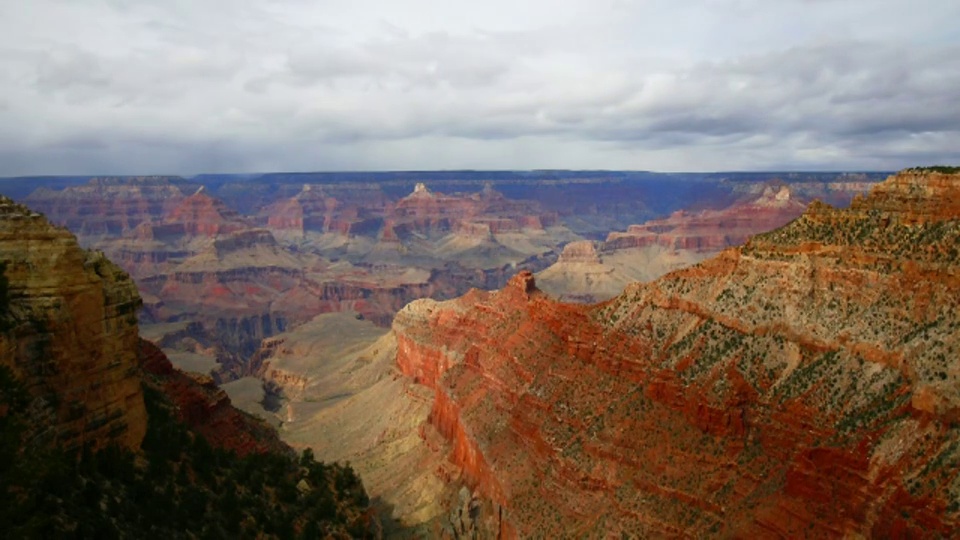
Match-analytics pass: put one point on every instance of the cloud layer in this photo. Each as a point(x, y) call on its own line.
point(135, 86)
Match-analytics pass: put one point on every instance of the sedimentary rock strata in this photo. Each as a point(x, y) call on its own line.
point(68, 330)
point(802, 385)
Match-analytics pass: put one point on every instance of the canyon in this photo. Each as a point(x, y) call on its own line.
point(803, 385)
point(223, 262)
point(287, 294)
point(592, 271)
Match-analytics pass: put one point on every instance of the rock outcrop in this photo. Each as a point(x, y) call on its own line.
point(804, 385)
point(427, 213)
point(201, 215)
point(207, 409)
point(68, 330)
point(582, 275)
point(102, 437)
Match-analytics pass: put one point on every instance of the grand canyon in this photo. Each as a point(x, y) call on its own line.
point(293, 270)
point(540, 354)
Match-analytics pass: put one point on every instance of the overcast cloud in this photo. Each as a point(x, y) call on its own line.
point(189, 86)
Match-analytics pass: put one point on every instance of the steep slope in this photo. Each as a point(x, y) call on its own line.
point(805, 385)
point(206, 409)
point(343, 397)
point(68, 330)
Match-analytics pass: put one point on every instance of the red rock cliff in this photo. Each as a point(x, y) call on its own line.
point(802, 386)
point(713, 230)
point(206, 408)
point(109, 207)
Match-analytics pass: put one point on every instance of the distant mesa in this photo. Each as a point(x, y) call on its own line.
point(582, 251)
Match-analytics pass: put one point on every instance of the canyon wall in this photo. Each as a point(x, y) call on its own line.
point(68, 330)
point(224, 262)
point(804, 385)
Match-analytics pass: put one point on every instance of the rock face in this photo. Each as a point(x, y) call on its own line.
point(804, 385)
point(110, 207)
point(319, 209)
point(207, 409)
point(426, 213)
point(710, 231)
point(202, 215)
point(582, 252)
point(69, 331)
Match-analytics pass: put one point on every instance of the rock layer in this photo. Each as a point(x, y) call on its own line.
point(591, 272)
point(803, 385)
point(110, 207)
point(69, 331)
point(207, 409)
point(710, 231)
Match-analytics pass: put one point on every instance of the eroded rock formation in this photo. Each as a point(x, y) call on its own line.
point(803, 385)
point(591, 272)
point(110, 207)
point(710, 231)
point(68, 330)
point(207, 409)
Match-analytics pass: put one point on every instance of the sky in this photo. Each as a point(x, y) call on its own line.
point(222, 86)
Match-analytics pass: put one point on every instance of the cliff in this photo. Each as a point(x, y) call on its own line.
point(804, 385)
point(321, 209)
point(713, 230)
point(102, 438)
point(202, 215)
point(110, 207)
point(206, 409)
point(70, 333)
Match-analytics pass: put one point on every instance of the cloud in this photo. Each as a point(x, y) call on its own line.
point(130, 86)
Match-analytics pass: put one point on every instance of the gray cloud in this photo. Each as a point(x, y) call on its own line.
point(130, 86)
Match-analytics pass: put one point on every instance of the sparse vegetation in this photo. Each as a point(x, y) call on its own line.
point(945, 169)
